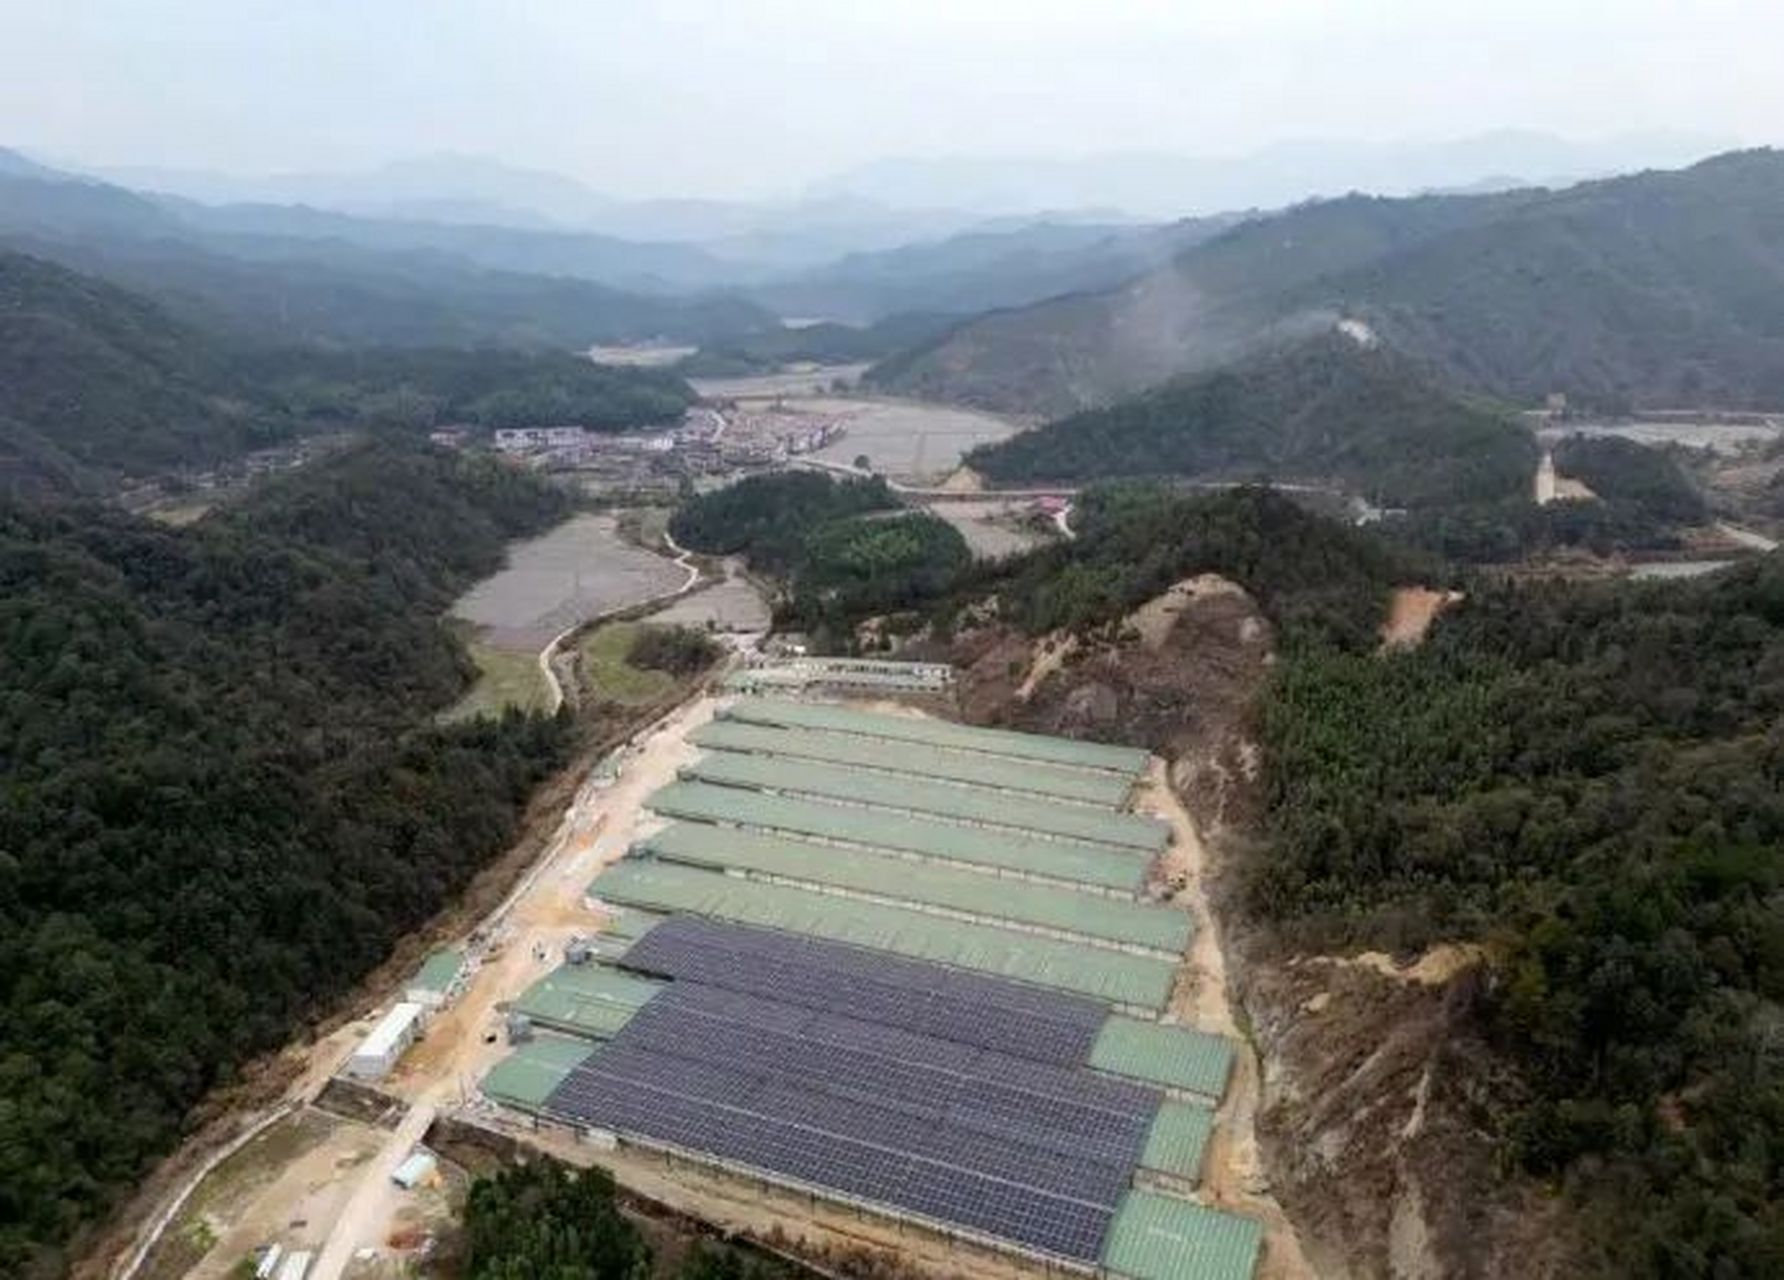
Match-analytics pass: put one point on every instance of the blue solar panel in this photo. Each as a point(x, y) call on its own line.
point(1010, 1147)
point(870, 986)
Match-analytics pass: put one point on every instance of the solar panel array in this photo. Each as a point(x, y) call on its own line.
point(871, 986)
point(1035, 1154)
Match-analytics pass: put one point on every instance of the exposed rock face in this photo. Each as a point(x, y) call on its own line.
point(1377, 1092)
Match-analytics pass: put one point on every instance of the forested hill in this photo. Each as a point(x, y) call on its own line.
point(1658, 288)
point(96, 382)
point(96, 379)
point(222, 794)
point(1589, 779)
point(1326, 410)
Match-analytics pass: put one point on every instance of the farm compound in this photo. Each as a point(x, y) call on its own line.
point(907, 967)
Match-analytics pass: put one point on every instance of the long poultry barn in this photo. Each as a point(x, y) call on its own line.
point(908, 967)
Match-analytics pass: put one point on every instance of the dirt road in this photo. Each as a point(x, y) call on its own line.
point(1233, 1175)
point(366, 1215)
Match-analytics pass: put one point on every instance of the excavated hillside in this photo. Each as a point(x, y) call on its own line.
point(1374, 1082)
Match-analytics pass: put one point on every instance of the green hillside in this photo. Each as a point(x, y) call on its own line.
point(98, 383)
point(95, 377)
point(1654, 289)
point(1325, 410)
point(222, 794)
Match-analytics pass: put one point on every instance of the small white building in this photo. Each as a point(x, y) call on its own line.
point(415, 1170)
point(296, 1266)
point(385, 1043)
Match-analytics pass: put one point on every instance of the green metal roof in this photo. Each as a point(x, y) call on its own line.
point(630, 925)
point(1158, 1237)
point(1063, 860)
point(998, 808)
point(585, 999)
point(889, 756)
point(1178, 1140)
point(526, 1077)
point(942, 733)
point(1166, 1054)
point(1090, 915)
point(1139, 981)
point(440, 971)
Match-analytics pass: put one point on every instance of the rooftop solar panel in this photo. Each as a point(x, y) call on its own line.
point(1025, 1022)
point(750, 1090)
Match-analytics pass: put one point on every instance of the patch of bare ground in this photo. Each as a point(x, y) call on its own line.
point(1411, 612)
point(1357, 1122)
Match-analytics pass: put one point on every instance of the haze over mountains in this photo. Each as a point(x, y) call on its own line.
point(1656, 288)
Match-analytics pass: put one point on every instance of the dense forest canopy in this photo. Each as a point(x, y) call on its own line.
point(1590, 779)
point(1323, 410)
point(1622, 472)
point(767, 518)
point(1320, 581)
point(104, 380)
point(222, 793)
point(541, 1221)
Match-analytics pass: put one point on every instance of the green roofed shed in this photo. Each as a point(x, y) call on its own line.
point(1136, 981)
point(1043, 908)
point(1157, 1237)
point(942, 733)
point(970, 804)
point(1066, 861)
point(585, 999)
point(526, 1077)
point(1165, 1054)
point(1061, 783)
point(1178, 1140)
point(439, 972)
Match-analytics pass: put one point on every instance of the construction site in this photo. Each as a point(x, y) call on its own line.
point(844, 977)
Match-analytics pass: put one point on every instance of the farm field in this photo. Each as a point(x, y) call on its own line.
point(732, 605)
point(907, 440)
point(578, 571)
point(991, 529)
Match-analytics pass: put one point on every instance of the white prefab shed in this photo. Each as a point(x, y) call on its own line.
point(385, 1043)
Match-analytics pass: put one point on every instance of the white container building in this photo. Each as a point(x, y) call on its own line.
point(385, 1043)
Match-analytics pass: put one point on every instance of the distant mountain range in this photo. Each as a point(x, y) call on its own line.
point(298, 275)
point(1160, 185)
point(1663, 287)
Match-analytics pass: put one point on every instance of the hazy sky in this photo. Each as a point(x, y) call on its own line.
point(751, 97)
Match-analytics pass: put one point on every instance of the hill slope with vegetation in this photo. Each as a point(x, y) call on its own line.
point(222, 793)
point(1325, 410)
point(105, 380)
point(1657, 288)
point(97, 382)
point(1586, 779)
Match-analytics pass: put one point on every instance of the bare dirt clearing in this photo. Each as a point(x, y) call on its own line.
point(1411, 612)
point(581, 569)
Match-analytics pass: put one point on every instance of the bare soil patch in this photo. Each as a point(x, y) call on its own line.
point(1411, 612)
